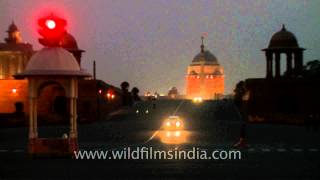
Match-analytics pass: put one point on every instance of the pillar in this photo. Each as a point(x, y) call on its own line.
point(73, 109)
point(31, 118)
point(269, 69)
point(33, 129)
point(35, 117)
point(289, 64)
point(278, 72)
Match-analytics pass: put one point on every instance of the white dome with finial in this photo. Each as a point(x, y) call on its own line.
point(53, 61)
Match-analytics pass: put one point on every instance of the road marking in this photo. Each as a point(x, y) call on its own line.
point(313, 150)
point(297, 150)
point(17, 150)
point(281, 150)
point(266, 150)
point(3, 150)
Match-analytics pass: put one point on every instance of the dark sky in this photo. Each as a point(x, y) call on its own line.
point(150, 43)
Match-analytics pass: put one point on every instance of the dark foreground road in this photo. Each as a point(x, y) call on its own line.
point(274, 151)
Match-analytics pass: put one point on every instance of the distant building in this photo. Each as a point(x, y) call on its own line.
point(205, 76)
point(14, 54)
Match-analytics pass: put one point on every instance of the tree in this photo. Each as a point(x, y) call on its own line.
point(239, 92)
point(312, 69)
point(126, 95)
point(173, 92)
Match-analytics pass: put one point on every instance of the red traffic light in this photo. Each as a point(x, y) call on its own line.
point(51, 24)
point(52, 29)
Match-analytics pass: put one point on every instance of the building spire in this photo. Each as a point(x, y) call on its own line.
point(283, 27)
point(202, 45)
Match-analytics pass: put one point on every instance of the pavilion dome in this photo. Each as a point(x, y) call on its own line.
point(69, 42)
point(205, 56)
point(283, 39)
point(54, 62)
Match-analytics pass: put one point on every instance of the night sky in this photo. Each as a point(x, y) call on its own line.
point(150, 43)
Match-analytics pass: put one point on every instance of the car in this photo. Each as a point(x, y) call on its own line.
point(173, 123)
point(173, 131)
point(197, 100)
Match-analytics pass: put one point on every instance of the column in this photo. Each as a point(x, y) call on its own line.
point(33, 132)
point(31, 117)
point(289, 64)
point(278, 65)
point(73, 110)
point(298, 58)
point(269, 65)
point(72, 114)
point(35, 117)
point(74, 100)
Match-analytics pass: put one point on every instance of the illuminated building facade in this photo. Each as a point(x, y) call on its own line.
point(205, 76)
point(14, 54)
point(93, 102)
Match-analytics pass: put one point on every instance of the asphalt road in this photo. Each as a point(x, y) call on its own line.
point(273, 152)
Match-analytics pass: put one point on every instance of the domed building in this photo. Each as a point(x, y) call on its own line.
point(205, 76)
point(14, 54)
point(286, 97)
point(284, 42)
point(69, 43)
point(17, 59)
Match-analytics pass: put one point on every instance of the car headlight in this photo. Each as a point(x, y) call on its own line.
point(168, 124)
point(178, 123)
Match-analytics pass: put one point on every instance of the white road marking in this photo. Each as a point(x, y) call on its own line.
point(297, 150)
point(3, 150)
point(17, 150)
point(313, 150)
point(281, 150)
point(266, 150)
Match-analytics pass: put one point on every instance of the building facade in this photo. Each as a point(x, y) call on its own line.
point(205, 76)
point(283, 96)
point(14, 54)
point(93, 102)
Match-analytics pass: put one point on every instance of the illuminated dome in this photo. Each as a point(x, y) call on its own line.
point(54, 62)
point(283, 39)
point(205, 56)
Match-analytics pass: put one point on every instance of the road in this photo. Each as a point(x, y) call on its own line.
point(273, 152)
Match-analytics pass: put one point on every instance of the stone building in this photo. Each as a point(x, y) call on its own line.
point(96, 98)
point(14, 53)
point(205, 76)
point(286, 97)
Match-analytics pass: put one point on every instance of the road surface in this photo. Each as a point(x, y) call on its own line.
point(273, 152)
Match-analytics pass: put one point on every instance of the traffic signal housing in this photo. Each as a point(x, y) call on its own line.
point(52, 30)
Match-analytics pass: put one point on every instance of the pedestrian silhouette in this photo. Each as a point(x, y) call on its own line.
point(126, 95)
point(135, 94)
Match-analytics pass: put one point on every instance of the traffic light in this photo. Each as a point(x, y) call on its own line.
point(52, 29)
